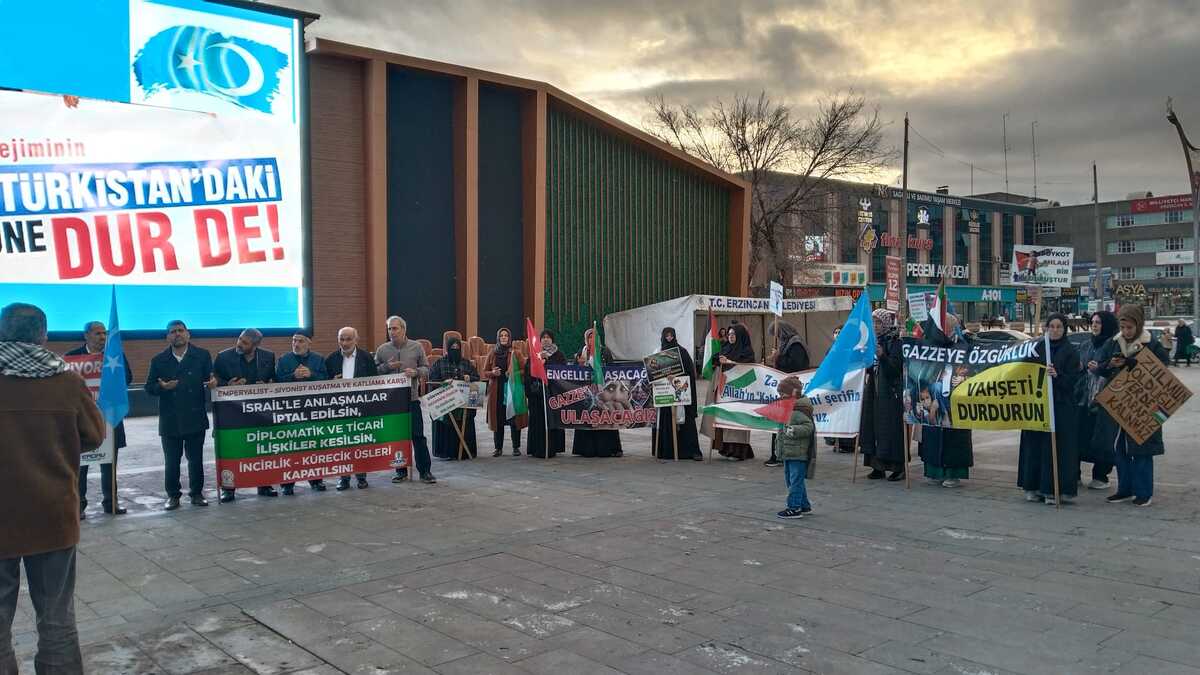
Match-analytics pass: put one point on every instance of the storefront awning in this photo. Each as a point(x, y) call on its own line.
point(956, 293)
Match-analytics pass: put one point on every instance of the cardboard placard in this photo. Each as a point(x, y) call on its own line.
point(445, 399)
point(1141, 398)
point(671, 391)
point(664, 364)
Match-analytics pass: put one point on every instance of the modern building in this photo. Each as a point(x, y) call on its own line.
point(967, 240)
point(1146, 243)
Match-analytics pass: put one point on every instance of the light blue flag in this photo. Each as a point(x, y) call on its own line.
point(854, 348)
point(113, 399)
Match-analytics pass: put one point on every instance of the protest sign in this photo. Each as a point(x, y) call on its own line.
point(88, 366)
point(575, 402)
point(667, 363)
point(918, 306)
point(476, 395)
point(445, 398)
point(776, 298)
point(976, 386)
point(750, 386)
point(293, 431)
point(670, 391)
point(891, 289)
point(1042, 265)
point(1141, 398)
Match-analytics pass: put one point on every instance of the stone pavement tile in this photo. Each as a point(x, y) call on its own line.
point(120, 656)
point(1147, 664)
point(921, 660)
point(1012, 598)
point(1089, 586)
point(182, 651)
point(1183, 615)
point(598, 646)
point(295, 620)
point(722, 657)
point(601, 547)
point(652, 634)
point(562, 580)
point(228, 584)
point(463, 625)
point(537, 595)
point(655, 663)
point(1177, 651)
point(540, 624)
point(415, 641)
point(468, 570)
point(849, 597)
point(809, 650)
point(217, 618)
point(835, 626)
point(319, 670)
point(377, 586)
point(202, 573)
point(479, 664)
point(486, 604)
point(1162, 625)
point(645, 583)
point(345, 607)
point(1000, 655)
point(563, 661)
point(562, 560)
point(720, 628)
point(1018, 627)
point(262, 650)
point(355, 653)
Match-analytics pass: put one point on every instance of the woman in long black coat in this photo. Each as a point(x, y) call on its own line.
point(1135, 461)
point(595, 442)
point(689, 440)
point(536, 440)
point(445, 439)
point(735, 443)
point(881, 432)
point(1034, 469)
point(947, 453)
point(1104, 327)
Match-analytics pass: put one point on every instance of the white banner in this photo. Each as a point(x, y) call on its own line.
point(88, 368)
point(114, 193)
point(1042, 265)
point(836, 412)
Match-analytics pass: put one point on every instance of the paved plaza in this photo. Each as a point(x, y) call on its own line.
point(572, 565)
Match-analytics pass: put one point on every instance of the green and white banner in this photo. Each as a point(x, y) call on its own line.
point(749, 390)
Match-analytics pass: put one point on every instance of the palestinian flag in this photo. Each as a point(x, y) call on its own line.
point(736, 414)
point(514, 394)
point(714, 347)
point(940, 307)
point(597, 359)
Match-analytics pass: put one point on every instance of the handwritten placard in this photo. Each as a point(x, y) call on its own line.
point(1142, 398)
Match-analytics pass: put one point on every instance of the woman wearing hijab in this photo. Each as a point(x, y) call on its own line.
point(735, 443)
point(1035, 472)
point(496, 370)
point(1135, 462)
point(791, 357)
point(1104, 326)
point(689, 441)
point(947, 453)
point(881, 438)
point(449, 368)
point(595, 442)
point(536, 446)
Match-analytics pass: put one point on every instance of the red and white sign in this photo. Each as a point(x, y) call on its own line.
point(892, 241)
point(891, 294)
point(1157, 204)
point(89, 366)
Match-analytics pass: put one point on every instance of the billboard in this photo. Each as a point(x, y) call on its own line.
point(180, 176)
point(1042, 265)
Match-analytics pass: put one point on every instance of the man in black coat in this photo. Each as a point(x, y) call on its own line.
point(179, 376)
point(95, 336)
point(1183, 342)
point(245, 363)
point(349, 361)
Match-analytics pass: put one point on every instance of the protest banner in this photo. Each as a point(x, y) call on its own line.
point(445, 398)
point(1042, 265)
point(891, 289)
point(1142, 398)
point(667, 363)
point(976, 386)
point(88, 366)
point(293, 431)
point(776, 290)
point(623, 402)
point(748, 387)
point(671, 391)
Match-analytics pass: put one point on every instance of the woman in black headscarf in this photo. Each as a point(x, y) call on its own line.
point(496, 370)
point(735, 443)
point(1034, 469)
point(452, 367)
point(536, 441)
point(947, 454)
point(595, 442)
point(689, 441)
point(1104, 326)
point(881, 435)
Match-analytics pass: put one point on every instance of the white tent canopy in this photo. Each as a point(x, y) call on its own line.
point(635, 333)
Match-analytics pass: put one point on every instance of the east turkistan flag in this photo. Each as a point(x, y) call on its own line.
point(853, 349)
point(113, 398)
point(514, 395)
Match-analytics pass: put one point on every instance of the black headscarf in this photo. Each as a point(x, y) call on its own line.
point(1109, 326)
point(453, 350)
point(740, 350)
point(1055, 344)
point(667, 344)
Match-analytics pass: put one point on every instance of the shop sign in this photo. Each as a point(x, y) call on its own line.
point(829, 274)
point(892, 241)
point(1131, 289)
point(931, 270)
point(973, 223)
point(1005, 273)
point(1174, 257)
point(891, 294)
point(1157, 204)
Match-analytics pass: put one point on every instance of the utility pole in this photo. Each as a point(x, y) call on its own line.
point(1096, 226)
point(903, 314)
point(1033, 134)
point(1004, 131)
point(972, 179)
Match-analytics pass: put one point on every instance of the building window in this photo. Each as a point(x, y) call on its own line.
point(1173, 216)
point(1174, 271)
point(1044, 227)
point(1174, 243)
point(1126, 273)
point(1124, 221)
point(1006, 242)
point(1127, 246)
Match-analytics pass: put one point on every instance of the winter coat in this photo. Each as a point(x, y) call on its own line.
point(882, 426)
point(1108, 431)
point(496, 385)
point(798, 440)
point(182, 411)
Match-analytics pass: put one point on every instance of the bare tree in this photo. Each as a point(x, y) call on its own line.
point(786, 160)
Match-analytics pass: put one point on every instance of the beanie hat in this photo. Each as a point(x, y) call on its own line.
point(1134, 314)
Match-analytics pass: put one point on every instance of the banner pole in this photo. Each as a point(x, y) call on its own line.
point(654, 435)
point(854, 459)
point(115, 500)
point(1053, 426)
point(907, 454)
point(546, 418)
point(674, 432)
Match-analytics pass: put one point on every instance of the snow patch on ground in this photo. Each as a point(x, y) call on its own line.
point(959, 534)
point(467, 595)
point(752, 563)
point(797, 628)
point(315, 548)
point(250, 559)
point(540, 625)
point(729, 658)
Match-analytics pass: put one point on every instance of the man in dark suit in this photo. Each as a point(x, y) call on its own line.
point(346, 362)
point(179, 376)
point(301, 365)
point(245, 363)
point(95, 336)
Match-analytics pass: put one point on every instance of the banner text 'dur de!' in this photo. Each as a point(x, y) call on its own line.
point(289, 432)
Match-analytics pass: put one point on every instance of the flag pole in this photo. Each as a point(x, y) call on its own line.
point(546, 417)
point(674, 432)
point(1053, 432)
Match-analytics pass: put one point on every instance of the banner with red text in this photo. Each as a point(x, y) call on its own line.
point(88, 366)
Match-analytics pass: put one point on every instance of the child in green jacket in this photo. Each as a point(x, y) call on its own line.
point(797, 448)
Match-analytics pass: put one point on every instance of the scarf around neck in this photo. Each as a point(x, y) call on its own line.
point(22, 359)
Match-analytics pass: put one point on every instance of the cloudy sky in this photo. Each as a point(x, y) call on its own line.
point(1094, 74)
